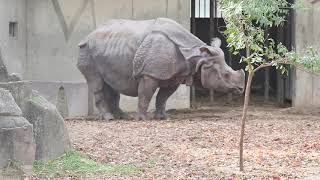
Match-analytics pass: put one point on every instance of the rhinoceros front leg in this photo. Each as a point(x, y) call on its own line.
point(161, 100)
point(147, 87)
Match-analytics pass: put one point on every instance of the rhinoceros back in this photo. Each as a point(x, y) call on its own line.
point(117, 40)
point(111, 49)
point(165, 50)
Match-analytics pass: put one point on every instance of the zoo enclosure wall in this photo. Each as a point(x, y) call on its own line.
point(44, 50)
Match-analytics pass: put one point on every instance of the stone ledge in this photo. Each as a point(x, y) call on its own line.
point(8, 107)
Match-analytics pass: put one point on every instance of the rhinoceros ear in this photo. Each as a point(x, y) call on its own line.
point(206, 51)
point(215, 42)
point(211, 51)
point(189, 53)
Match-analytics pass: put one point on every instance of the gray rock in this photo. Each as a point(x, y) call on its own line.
point(50, 133)
point(16, 134)
point(13, 77)
point(8, 106)
point(20, 90)
point(16, 142)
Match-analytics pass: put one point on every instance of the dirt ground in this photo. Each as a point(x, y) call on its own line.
point(203, 144)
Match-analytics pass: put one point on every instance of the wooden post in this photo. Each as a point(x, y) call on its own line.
point(212, 33)
point(280, 89)
point(266, 84)
point(212, 16)
point(280, 79)
point(193, 31)
point(230, 96)
point(193, 17)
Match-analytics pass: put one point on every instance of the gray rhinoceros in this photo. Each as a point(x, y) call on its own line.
point(135, 58)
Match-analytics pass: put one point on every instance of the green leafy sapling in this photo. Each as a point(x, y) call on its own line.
point(247, 22)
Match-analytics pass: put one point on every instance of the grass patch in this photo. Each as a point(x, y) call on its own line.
point(74, 162)
point(38, 99)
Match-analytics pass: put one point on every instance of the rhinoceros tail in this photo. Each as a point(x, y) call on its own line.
point(84, 58)
point(83, 43)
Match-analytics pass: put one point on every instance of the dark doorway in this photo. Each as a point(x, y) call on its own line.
point(268, 84)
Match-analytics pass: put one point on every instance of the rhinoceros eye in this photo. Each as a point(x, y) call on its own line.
point(226, 76)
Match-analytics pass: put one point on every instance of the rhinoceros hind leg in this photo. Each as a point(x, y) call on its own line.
point(112, 97)
point(100, 100)
point(107, 116)
point(96, 85)
point(146, 89)
point(161, 100)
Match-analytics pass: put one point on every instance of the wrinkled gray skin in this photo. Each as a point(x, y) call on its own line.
point(135, 58)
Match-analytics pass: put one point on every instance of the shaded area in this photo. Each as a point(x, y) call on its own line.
point(267, 83)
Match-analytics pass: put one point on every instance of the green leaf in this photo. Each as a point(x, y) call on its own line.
point(246, 24)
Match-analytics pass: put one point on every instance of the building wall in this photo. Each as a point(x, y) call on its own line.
point(46, 51)
point(56, 26)
point(13, 49)
point(307, 33)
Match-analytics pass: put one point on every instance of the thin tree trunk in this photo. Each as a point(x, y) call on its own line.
point(244, 115)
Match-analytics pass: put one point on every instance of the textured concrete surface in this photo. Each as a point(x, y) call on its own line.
point(16, 134)
point(177, 101)
point(71, 20)
point(51, 135)
point(307, 31)
point(16, 142)
point(8, 106)
point(13, 48)
point(76, 94)
point(45, 48)
point(20, 90)
point(77, 97)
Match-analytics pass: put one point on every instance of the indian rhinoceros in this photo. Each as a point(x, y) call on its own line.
point(135, 58)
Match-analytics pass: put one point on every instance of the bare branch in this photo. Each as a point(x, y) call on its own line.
point(285, 61)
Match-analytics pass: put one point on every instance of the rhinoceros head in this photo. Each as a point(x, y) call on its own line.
point(215, 73)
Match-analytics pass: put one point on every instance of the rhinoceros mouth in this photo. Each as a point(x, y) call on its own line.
point(238, 90)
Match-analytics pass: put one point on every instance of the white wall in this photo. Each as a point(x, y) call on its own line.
point(307, 33)
point(13, 48)
point(56, 26)
point(52, 43)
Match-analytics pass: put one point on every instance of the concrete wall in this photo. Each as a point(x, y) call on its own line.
point(13, 49)
point(178, 100)
point(307, 33)
point(75, 93)
point(56, 26)
point(45, 51)
point(52, 42)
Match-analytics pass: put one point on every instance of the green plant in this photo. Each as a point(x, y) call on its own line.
point(247, 22)
point(75, 162)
